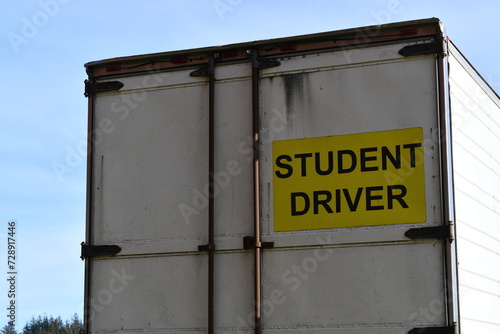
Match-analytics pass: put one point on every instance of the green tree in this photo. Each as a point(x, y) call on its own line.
point(8, 329)
point(74, 325)
point(51, 325)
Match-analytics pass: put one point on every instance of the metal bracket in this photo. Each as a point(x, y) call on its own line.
point(433, 330)
point(98, 250)
point(101, 87)
point(261, 62)
point(422, 49)
point(434, 232)
point(249, 243)
point(206, 70)
point(206, 247)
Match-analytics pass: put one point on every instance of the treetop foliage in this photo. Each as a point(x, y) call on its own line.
point(47, 325)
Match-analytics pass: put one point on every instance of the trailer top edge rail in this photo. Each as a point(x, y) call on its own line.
point(346, 38)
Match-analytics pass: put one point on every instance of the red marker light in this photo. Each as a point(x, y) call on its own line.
point(230, 54)
point(113, 68)
point(179, 60)
point(408, 32)
point(288, 47)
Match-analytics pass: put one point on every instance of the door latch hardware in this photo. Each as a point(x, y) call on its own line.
point(261, 62)
point(249, 243)
point(206, 247)
point(206, 70)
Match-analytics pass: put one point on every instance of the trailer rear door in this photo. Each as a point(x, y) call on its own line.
point(351, 163)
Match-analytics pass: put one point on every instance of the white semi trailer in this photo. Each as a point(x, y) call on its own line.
point(341, 182)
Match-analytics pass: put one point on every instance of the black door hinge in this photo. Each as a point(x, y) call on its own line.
point(434, 232)
point(249, 243)
point(422, 49)
point(261, 62)
point(101, 87)
point(433, 330)
point(98, 250)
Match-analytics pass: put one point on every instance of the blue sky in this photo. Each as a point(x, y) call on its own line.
point(44, 45)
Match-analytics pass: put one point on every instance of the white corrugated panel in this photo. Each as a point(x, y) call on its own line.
point(476, 160)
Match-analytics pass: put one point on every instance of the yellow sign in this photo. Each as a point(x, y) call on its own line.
point(361, 179)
